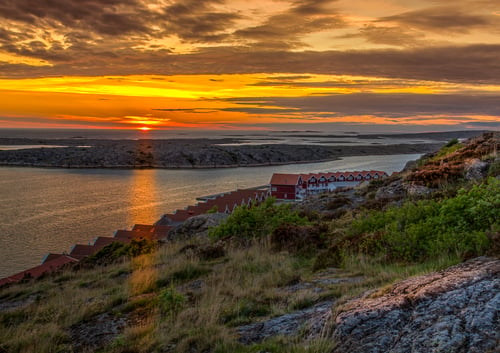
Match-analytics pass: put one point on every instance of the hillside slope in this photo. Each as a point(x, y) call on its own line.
point(410, 262)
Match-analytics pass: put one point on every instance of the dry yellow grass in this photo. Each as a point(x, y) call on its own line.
point(176, 302)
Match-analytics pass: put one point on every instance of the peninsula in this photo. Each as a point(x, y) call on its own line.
point(198, 153)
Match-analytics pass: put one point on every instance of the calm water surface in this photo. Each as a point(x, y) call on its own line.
point(48, 210)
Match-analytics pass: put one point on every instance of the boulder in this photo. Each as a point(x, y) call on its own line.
point(417, 190)
point(197, 226)
point(455, 310)
point(475, 169)
point(394, 190)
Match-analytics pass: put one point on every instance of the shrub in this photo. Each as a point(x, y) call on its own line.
point(297, 238)
point(114, 251)
point(427, 228)
point(452, 142)
point(214, 209)
point(338, 202)
point(170, 301)
point(258, 221)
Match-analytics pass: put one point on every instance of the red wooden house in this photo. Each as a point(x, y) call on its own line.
point(297, 186)
point(287, 186)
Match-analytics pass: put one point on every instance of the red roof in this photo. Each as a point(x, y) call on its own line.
point(161, 231)
point(79, 251)
point(285, 179)
point(179, 216)
point(50, 257)
point(221, 202)
point(101, 242)
point(292, 179)
point(47, 267)
point(6, 280)
point(143, 227)
point(133, 235)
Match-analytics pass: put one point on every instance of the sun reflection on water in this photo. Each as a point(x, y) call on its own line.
point(144, 203)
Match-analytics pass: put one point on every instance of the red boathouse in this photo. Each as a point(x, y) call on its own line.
point(297, 186)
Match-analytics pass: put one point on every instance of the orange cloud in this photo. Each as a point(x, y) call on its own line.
point(226, 101)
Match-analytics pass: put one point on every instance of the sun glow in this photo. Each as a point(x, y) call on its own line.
point(146, 102)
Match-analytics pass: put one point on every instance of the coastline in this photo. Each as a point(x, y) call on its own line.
point(47, 207)
point(192, 154)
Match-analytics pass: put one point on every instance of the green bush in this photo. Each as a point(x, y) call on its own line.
point(214, 209)
point(171, 301)
point(257, 221)
point(452, 142)
point(117, 250)
point(427, 228)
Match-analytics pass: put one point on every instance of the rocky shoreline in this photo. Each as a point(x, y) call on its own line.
point(182, 153)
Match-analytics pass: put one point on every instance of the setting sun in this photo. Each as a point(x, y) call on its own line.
point(144, 128)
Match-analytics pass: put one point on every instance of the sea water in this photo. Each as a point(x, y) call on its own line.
point(48, 210)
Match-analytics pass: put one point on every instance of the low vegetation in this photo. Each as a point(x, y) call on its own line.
point(417, 231)
point(264, 261)
point(258, 221)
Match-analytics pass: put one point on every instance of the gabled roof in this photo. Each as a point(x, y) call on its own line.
point(285, 179)
point(47, 267)
point(50, 257)
point(293, 179)
point(79, 251)
point(178, 216)
point(101, 242)
point(161, 231)
point(143, 227)
point(133, 235)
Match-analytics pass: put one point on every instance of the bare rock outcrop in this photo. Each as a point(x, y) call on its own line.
point(95, 334)
point(399, 189)
point(455, 310)
point(475, 169)
point(312, 319)
point(197, 226)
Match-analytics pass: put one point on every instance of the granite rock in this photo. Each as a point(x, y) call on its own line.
point(197, 226)
point(455, 310)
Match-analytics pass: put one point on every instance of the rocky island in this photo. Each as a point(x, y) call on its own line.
point(184, 154)
point(197, 153)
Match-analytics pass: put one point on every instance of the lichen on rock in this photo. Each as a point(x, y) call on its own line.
point(455, 310)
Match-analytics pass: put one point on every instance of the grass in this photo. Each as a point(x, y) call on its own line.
point(174, 300)
point(248, 285)
point(165, 295)
point(42, 325)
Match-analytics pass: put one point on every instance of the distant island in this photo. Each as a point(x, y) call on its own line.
point(198, 153)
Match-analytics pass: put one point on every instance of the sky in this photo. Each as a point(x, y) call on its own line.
point(337, 65)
